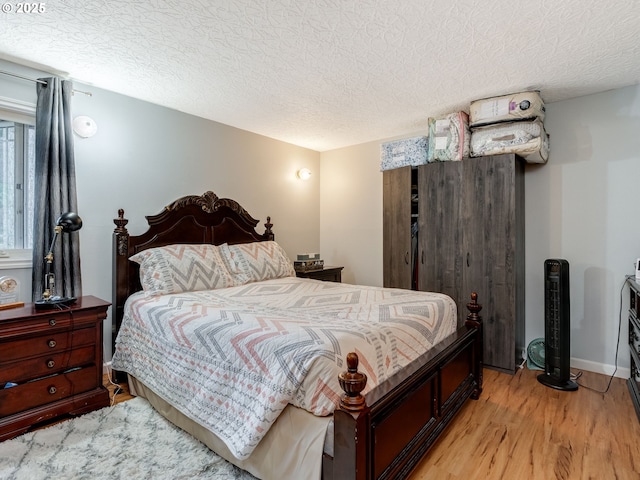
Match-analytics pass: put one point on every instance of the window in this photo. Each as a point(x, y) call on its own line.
point(17, 180)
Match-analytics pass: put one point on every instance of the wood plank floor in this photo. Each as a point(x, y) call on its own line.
point(121, 390)
point(520, 429)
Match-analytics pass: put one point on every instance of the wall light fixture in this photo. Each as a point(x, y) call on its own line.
point(304, 174)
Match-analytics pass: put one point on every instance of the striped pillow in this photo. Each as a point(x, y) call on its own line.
point(182, 268)
point(253, 262)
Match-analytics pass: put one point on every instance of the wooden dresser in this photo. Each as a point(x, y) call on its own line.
point(50, 364)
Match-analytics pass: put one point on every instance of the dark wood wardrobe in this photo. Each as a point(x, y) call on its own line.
point(469, 217)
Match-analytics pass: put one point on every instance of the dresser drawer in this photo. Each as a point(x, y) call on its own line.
point(46, 344)
point(327, 274)
point(14, 328)
point(23, 370)
point(46, 390)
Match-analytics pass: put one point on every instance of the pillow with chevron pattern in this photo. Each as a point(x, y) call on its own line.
point(182, 268)
point(256, 261)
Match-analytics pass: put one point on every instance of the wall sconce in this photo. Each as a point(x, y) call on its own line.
point(304, 174)
point(85, 127)
point(67, 222)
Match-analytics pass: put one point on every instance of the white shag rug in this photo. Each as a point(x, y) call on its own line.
point(128, 441)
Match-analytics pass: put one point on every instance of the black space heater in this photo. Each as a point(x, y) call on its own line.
point(557, 344)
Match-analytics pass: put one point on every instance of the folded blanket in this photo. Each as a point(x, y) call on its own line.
point(449, 137)
point(402, 153)
point(506, 108)
point(527, 139)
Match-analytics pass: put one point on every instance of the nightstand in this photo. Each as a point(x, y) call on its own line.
point(328, 274)
point(54, 358)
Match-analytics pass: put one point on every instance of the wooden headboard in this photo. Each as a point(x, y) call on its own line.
point(188, 220)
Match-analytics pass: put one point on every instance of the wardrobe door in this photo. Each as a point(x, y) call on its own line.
point(441, 230)
point(493, 253)
point(396, 230)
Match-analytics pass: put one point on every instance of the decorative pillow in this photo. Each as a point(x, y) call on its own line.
point(253, 262)
point(182, 268)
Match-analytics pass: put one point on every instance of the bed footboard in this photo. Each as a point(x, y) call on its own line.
point(386, 434)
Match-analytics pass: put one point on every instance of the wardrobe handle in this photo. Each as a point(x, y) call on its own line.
point(468, 259)
point(422, 257)
point(406, 258)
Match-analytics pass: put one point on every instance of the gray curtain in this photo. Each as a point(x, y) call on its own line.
point(55, 189)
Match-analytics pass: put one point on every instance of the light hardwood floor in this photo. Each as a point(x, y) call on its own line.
point(519, 429)
point(122, 393)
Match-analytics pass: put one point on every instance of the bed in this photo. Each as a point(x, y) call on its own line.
point(375, 417)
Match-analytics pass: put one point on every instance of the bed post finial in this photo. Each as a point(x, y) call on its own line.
point(473, 317)
point(474, 320)
point(268, 233)
point(121, 234)
point(352, 382)
point(120, 222)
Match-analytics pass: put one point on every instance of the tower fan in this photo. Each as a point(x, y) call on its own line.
point(557, 344)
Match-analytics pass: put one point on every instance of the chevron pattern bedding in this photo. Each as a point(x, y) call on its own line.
point(256, 261)
point(231, 359)
point(182, 268)
point(189, 268)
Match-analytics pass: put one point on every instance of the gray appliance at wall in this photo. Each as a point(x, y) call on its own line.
point(471, 238)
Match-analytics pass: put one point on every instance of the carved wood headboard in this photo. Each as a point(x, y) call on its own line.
point(188, 220)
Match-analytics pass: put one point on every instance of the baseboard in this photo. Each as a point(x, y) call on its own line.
point(604, 369)
point(106, 367)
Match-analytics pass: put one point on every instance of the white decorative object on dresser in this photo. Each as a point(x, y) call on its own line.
point(9, 290)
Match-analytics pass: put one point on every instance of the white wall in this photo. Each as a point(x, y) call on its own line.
point(351, 212)
point(145, 156)
point(580, 206)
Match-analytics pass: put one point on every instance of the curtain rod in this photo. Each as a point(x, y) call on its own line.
point(2, 72)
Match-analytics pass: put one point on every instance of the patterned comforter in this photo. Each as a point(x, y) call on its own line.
point(232, 359)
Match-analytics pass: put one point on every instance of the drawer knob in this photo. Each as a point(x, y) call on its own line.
point(52, 322)
point(52, 344)
point(51, 363)
point(52, 390)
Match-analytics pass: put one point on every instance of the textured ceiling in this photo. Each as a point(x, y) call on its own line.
point(325, 74)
